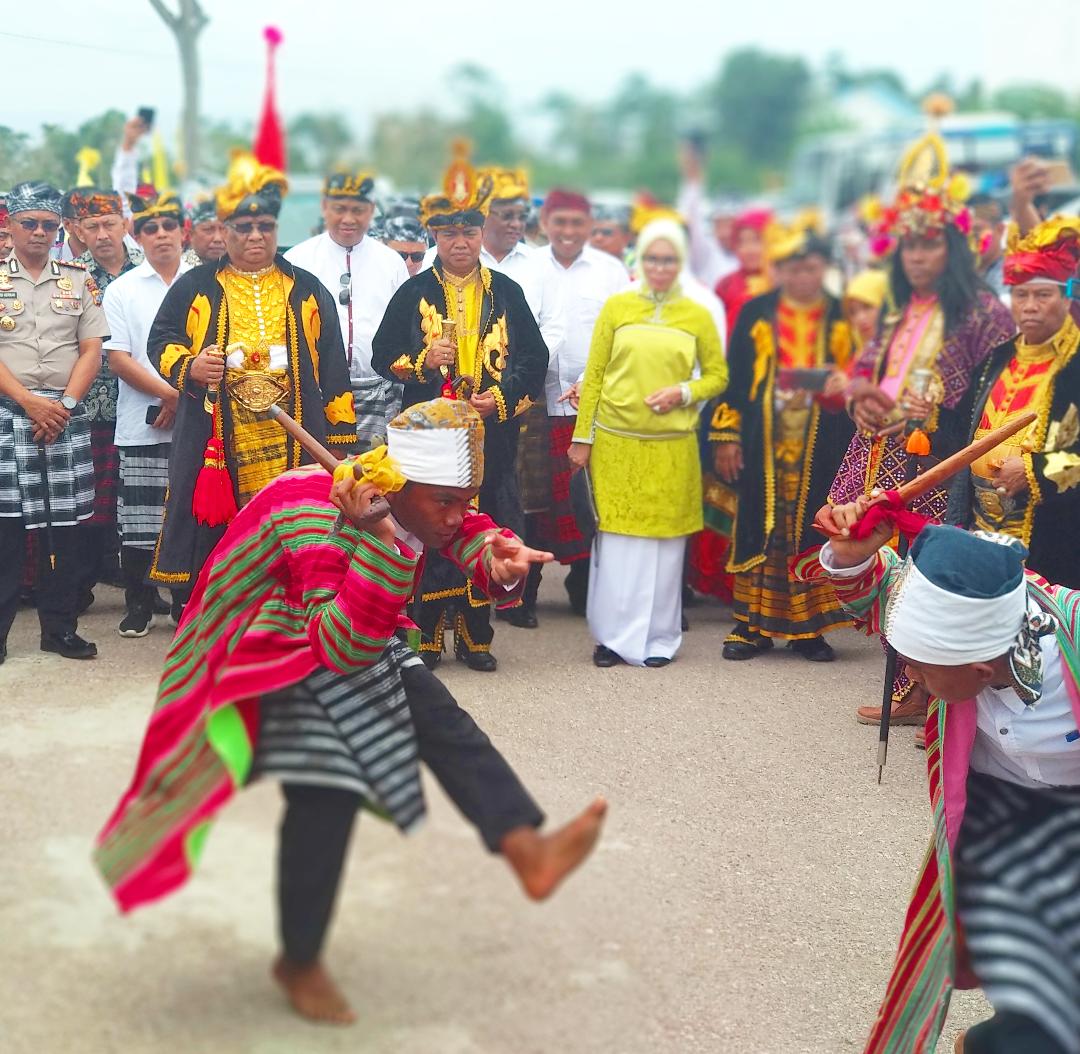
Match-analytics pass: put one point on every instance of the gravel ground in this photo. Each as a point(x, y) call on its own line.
point(747, 894)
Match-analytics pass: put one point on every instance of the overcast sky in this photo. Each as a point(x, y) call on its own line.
point(363, 58)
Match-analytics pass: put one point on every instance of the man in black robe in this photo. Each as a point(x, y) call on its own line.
point(461, 327)
point(234, 337)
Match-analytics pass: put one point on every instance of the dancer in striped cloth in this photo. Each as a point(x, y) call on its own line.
point(292, 661)
point(998, 902)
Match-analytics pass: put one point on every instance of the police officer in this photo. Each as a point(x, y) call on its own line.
point(51, 329)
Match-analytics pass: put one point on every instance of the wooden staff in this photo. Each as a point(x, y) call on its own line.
point(936, 475)
point(379, 507)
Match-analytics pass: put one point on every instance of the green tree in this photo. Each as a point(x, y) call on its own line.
point(1032, 101)
point(318, 142)
point(758, 101)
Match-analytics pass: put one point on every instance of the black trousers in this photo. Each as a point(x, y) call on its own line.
point(134, 567)
point(57, 590)
point(318, 821)
point(1010, 1033)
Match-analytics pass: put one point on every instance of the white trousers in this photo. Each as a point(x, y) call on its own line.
point(635, 595)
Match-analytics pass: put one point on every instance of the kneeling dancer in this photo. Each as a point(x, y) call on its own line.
point(998, 901)
point(291, 661)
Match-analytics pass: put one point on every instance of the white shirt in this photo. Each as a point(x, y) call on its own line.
point(587, 284)
point(376, 271)
point(709, 260)
point(1032, 746)
point(543, 288)
point(131, 304)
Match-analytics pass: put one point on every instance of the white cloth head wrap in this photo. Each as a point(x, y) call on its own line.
point(440, 443)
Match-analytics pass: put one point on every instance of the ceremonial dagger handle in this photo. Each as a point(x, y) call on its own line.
point(936, 475)
point(379, 507)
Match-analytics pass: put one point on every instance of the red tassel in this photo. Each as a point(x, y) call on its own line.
point(213, 504)
point(269, 146)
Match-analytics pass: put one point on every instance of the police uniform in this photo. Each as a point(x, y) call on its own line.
point(42, 322)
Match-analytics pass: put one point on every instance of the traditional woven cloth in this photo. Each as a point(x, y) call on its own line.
point(70, 469)
point(558, 529)
point(144, 481)
point(377, 402)
point(106, 460)
point(1018, 897)
point(768, 600)
point(281, 597)
point(352, 731)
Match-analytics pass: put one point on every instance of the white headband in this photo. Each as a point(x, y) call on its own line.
point(437, 456)
point(926, 623)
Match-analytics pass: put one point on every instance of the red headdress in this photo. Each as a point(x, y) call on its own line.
point(1050, 251)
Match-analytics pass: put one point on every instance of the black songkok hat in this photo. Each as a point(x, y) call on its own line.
point(355, 185)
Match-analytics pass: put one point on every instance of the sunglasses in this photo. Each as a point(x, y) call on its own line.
point(604, 232)
point(413, 257)
point(660, 261)
point(346, 288)
point(152, 226)
point(245, 229)
point(510, 215)
point(48, 226)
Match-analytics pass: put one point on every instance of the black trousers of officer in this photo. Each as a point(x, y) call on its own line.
point(318, 821)
point(56, 589)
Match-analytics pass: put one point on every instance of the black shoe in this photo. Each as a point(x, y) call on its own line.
point(605, 657)
point(813, 649)
point(742, 645)
point(656, 662)
point(159, 605)
point(136, 623)
point(430, 659)
point(522, 617)
point(69, 645)
point(481, 661)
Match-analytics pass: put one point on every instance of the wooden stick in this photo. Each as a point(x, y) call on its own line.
point(379, 506)
point(937, 474)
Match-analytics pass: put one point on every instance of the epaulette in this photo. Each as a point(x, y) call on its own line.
point(72, 263)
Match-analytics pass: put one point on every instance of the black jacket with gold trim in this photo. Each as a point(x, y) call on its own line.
point(1053, 469)
point(191, 318)
point(745, 415)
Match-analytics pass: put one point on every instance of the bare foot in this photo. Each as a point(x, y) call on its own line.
point(542, 861)
point(312, 993)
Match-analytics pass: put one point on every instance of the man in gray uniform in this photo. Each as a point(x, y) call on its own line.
point(51, 329)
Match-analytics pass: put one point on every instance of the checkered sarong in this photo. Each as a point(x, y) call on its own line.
point(377, 403)
point(144, 479)
point(106, 472)
point(70, 468)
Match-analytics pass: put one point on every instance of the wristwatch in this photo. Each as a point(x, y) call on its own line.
point(68, 403)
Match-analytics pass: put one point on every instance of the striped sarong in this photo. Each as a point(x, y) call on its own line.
point(352, 731)
point(1018, 897)
point(69, 464)
point(768, 600)
point(377, 402)
point(144, 479)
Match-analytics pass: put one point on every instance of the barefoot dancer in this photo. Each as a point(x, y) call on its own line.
point(290, 662)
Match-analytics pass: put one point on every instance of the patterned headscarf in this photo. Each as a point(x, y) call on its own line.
point(403, 229)
point(250, 188)
point(166, 206)
point(34, 195)
point(84, 202)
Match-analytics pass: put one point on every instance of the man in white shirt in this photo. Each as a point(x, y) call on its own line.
point(996, 649)
point(589, 278)
point(145, 403)
point(709, 231)
point(362, 275)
